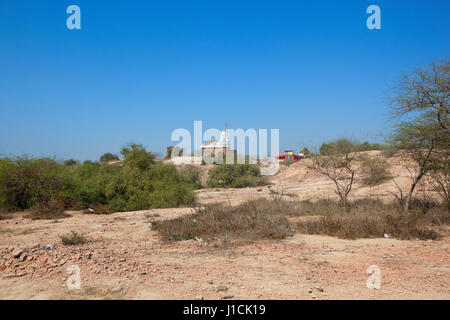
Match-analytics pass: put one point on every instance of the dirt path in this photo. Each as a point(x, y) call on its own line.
point(125, 259)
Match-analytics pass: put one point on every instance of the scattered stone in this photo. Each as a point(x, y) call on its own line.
point(227, 296)
point(116, 289)
point(48, 247)
point(7, 276)
point(198, 298)
point(23, 256)
point(17, 253)
point(211, 281)
point(221, 288)
point(61, 263)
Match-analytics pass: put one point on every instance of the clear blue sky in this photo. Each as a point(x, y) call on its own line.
point(137, 70)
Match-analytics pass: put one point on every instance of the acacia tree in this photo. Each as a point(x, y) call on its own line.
point(420, 106)
point(338, 162)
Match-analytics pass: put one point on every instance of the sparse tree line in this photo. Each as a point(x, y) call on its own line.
point(420, 139)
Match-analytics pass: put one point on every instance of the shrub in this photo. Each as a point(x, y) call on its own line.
point(73, 239)
point(71, 162)
point(338, 147)
point(106, 157)
point(191, 174)
point(235, 176)
point(141, 184)
point(26, 182)
point(137, 157)
point(375, 169)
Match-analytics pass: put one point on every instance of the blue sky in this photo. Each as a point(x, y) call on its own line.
point(137, 70)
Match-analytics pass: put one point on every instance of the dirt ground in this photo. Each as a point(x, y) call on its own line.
point(125, 259)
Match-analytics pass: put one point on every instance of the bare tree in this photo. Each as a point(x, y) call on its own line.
point(338, 163)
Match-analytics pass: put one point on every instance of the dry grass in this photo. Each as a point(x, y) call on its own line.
point(73, 239)
point(268, 219)
point(369, 218)
point(252, 220)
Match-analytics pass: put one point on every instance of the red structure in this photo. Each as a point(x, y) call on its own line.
point(289, 155)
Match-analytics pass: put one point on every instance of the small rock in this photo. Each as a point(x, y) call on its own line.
point(227, 296)
point(221, 288)
point(116, 289)
point(23, 256)
point(211, 281)
point(198, 298)
point(7, 276)
point(17, 253)
point(61, 263)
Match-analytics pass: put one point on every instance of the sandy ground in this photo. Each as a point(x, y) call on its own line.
point(125, 259)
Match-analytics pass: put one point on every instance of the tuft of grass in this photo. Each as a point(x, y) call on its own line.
point(73, 239)
point(252, 220)
point(152, 215)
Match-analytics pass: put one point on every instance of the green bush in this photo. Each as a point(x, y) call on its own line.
point(192, 174)
point(338, 147)
point(235, 176)
point(140, 184)
point(137, 157)
point(26, 182)
point(71, 162)
point(106, 157)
